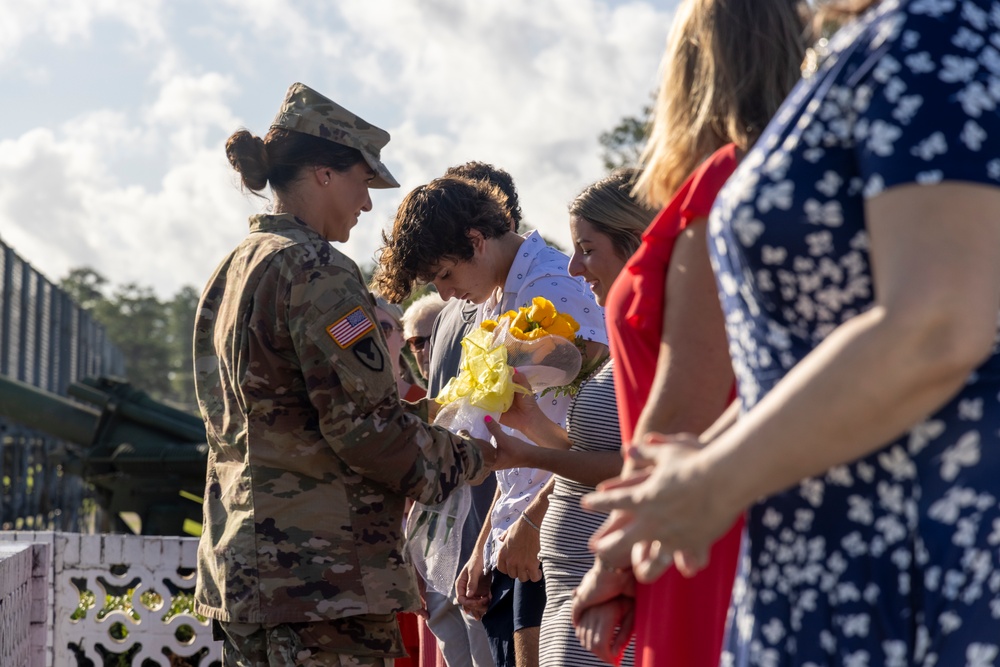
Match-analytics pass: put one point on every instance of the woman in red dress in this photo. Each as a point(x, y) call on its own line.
point(727, 68)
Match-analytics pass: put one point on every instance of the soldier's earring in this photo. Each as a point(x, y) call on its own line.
point(326, 182)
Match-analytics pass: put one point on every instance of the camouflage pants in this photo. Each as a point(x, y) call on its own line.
point(288, 645)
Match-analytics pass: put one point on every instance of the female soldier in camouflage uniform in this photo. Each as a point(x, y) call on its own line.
point(311, 451)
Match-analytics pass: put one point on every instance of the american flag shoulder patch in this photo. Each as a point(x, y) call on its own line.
point(350, 328)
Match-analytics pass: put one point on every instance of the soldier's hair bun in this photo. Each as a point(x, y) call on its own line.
point(248, 155)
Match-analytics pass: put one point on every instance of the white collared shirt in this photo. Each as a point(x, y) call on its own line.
point(538, 270)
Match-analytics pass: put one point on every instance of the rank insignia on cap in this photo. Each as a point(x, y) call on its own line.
point(350, 328)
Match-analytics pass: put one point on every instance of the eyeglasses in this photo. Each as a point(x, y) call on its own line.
point(387, 327)
point(417, 343)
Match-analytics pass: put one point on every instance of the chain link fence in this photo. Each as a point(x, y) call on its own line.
point(47, 341)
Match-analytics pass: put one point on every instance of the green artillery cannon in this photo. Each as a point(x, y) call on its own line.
point(141, 456)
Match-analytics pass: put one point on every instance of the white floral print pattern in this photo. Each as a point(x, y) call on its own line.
point(894, 559)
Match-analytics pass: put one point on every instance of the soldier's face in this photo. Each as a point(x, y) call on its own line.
point(347, 198)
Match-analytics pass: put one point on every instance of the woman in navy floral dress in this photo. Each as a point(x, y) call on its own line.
point(857, 251)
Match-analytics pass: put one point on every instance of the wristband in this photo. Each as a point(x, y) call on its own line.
point(530, 522)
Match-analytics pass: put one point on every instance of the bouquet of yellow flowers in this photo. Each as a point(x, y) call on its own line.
point(540, 343)
point(537, 340)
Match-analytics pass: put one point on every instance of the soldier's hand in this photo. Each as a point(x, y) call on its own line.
point(422, 587)
point(518, 555)
point(433, 407)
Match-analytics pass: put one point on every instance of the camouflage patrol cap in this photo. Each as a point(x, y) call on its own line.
point(305, 110)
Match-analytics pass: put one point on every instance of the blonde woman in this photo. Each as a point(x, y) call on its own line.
point(606, 222)
point(727, 68)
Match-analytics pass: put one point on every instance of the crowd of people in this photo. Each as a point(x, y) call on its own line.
point(784, 450)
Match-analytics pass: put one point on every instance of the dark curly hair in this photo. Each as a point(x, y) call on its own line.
point(432, 224)
point(482, 171)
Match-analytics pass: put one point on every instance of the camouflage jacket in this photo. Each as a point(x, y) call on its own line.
point(311, 452)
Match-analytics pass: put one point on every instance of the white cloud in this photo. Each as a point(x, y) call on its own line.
point(136, 184)
point(63, 21)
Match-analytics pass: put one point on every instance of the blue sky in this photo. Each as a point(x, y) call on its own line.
point(116, 111)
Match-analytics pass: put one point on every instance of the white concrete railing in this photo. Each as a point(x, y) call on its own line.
point(23, 604)
point(106, 594)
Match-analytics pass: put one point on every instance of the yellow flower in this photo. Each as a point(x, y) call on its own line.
point(542, 312)
point(572, 323)
point(562, 327)
point(518, 333)
point(536, 321)
point(488, 325)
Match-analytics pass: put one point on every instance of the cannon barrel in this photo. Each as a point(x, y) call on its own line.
point(139, 453)
point(136, 407)
point(49, 413)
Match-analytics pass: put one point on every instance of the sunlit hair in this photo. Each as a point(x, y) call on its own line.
point(610, 206)
point(728, 66)
point(836, 11)
point(432, 224)
point(426, 307)
point(483, 171)
point(279, 157)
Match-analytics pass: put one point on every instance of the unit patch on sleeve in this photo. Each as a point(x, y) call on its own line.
point(351, 327)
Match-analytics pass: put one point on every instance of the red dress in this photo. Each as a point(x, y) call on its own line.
point(679, 622)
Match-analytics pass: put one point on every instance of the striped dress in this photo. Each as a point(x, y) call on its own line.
point(592, 423)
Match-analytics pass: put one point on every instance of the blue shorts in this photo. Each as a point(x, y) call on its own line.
point(513, 606)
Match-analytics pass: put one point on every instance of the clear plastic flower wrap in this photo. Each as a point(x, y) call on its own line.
point(541, 344)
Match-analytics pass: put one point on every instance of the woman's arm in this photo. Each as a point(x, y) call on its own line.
point(935, 257)
point(588, 468)
point(520, 543)
point(694, 375)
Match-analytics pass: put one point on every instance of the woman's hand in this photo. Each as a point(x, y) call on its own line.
point(601, 584)
point(518, 555)
point(511, 452)
point(671, 510)
point(605, 629)
point(524, 411)
point(603, 608)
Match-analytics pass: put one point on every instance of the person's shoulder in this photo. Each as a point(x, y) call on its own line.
point(547, 260)
point(704, 184)
point(724, 160)
point(311, 261)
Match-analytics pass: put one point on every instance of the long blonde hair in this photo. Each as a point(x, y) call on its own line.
point(728, 65)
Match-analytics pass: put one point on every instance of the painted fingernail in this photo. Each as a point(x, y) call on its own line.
point(487, 419)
